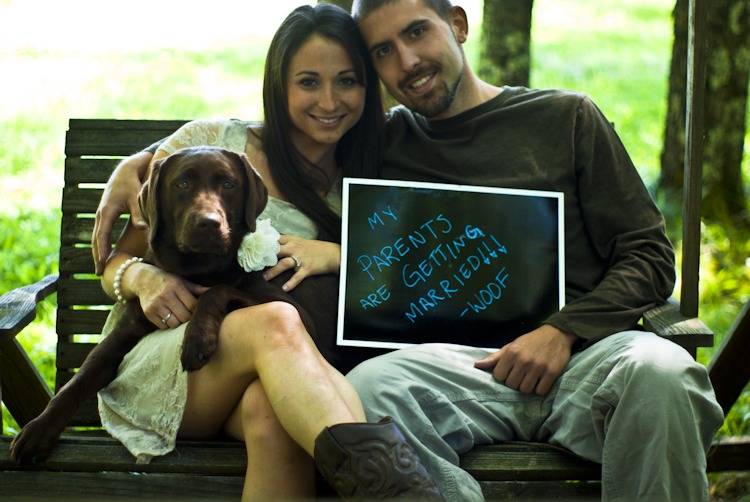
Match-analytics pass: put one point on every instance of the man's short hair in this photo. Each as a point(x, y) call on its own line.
point(363, 8)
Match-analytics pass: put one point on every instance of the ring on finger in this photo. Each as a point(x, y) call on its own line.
point(297, 264)
point(167, 317)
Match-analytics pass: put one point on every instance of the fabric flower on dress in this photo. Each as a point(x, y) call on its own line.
point(259, 249)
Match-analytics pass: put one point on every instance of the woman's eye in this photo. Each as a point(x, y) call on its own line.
point(348, 81)
point(308, 82)
point(383, 51)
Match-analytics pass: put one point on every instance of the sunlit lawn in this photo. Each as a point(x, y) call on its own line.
point(617, 51)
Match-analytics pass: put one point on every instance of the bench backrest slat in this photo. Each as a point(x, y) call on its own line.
point(93, 149)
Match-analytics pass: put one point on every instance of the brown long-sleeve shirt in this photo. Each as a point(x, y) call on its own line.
point(619, 262)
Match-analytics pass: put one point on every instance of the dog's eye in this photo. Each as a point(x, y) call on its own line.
point(228, 185)
point(182, 185)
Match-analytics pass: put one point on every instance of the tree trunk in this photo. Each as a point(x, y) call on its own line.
point(727, 76)
point(725, 108)
point(505, 54)
point(344, 4)
point(673, 154)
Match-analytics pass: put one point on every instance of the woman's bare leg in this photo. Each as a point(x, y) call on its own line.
point(277, 467)
point(270, 342)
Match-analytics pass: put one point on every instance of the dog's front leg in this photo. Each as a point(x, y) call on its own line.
point(37, 439)
point(202, 333)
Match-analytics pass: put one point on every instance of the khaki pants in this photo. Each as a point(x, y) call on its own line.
point(636, 403)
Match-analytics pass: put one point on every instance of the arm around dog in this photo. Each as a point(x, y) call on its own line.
point(120, 197)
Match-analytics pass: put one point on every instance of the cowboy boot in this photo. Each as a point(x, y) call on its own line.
point(372, 461)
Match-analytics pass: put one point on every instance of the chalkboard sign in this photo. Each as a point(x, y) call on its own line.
point(428, 262)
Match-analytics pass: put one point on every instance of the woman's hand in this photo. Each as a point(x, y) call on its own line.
point(307, 257)
point(167, 300)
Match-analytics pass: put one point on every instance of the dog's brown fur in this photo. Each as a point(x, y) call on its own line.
point(199, 203)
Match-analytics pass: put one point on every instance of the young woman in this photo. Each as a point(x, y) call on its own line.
point(267, 383)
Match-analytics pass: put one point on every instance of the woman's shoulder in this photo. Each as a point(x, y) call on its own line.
point(200, 132)
point(231, 134)
point(217, 128)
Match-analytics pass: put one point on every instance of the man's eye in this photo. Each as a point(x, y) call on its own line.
point(417, 32)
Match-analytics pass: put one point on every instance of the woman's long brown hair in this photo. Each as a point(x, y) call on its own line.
point(358, 152)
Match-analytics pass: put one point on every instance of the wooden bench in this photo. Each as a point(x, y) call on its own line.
point(90, 464)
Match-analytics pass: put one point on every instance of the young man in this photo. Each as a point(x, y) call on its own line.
point(587, 379)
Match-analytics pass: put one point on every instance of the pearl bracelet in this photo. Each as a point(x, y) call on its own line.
point(118, 276)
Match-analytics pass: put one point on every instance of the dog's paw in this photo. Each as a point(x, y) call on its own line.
point(34, 444)
point(197, 348)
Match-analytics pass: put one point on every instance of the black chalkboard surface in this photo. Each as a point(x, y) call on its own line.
point(427, 262)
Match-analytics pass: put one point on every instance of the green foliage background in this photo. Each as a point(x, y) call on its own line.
point(617, 51)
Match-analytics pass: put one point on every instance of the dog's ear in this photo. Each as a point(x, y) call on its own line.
point(148, 199)
point(257, 194)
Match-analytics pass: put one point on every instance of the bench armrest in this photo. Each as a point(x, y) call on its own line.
point(18, 307)
point(668, 322)
point(22, 388)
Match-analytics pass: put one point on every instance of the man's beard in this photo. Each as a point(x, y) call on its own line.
point(438, 100)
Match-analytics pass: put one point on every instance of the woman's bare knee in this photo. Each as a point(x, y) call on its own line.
point(266, 326)
point(255, 408)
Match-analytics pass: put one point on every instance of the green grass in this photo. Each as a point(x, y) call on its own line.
point(617, 51)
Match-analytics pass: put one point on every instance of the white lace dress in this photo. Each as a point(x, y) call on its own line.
point(143, 406)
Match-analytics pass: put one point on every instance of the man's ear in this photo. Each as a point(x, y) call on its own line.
point(459, 24)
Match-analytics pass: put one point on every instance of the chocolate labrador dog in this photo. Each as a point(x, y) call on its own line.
point(199, 203)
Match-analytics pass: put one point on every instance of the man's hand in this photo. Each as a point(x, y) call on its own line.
point(532, 362)
point(120, 197)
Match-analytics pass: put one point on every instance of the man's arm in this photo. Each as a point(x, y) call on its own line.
point(120, 197)
point(623, 227)
point(635, 268)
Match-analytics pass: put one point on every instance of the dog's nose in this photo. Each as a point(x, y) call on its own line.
point(209, 220)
